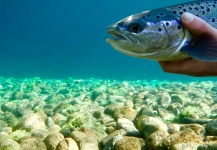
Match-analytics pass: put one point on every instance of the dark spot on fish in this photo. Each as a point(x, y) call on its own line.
point(180, 13)
point(213, 19)
point(192, 4)
point(161, 14)
point(179, 27)
point(143, 17)
point(201, 7)
point(197, 15)
point(158, 17)
point(198, 3)
point(120, 24)
point(208, 10)
point(159, 29)
point(203, 12)
point(167, 23)
point(174, 12)
point(196, 8)
point(184, 10)
point(213, 5)
point(190, 8)
point(149, 15)
point(180, 7)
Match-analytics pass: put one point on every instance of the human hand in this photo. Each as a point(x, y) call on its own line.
point(191, 66)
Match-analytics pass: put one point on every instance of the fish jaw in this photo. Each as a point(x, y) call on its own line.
point(120, 36)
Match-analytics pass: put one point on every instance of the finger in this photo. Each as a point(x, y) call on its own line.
point(181, 67)
point(196, 25)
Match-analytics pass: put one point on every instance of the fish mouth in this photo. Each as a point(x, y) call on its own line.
point(118, 36)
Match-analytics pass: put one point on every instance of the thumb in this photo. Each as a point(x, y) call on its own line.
point(197, 26)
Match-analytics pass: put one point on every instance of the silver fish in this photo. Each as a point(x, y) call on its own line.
point(159, 35)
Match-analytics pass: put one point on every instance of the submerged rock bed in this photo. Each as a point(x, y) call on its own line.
point(103, 114)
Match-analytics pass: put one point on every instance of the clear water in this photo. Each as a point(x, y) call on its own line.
point(58, 39)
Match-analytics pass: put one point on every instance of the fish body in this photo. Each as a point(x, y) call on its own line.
point(159, 35)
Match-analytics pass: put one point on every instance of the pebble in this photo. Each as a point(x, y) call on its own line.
point(52, 140)
point(128, 126)
point(211, 127)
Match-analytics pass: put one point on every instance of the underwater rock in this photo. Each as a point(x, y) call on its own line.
point(211, 127)
point(49, 122)
point(24, 108)
point(9, 144)
point(52, 140)
point(89, 146)
point(17, 95)
point(196, 128)
point(84, 137)
point(166, 115)
point(8, 106)
point(153, 140)
point(39, 133)
point(32, 144)
point(128, 126)
point(55, 128)
point(118, 111)
point(148, 125)
point(3, 124)
point(207, 146)
point(129, 143)
point(109, 141)
point(6, 129)
point(188, 120)
point(165, 100)
point(67, 144)
point(147, 111)
point(32, 122)
point(59, 119)
point(185, 139)
point(172, 128)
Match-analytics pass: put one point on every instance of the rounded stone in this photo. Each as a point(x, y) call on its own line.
point(32, 143)
point(211, 127)
point(148, 125)
point(67, 144)
point(128, 143)
point(9, 144)
point(52, 140)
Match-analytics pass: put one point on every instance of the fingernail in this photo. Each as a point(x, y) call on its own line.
point(188, 17)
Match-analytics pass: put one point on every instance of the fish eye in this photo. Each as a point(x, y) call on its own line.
point(135, 28)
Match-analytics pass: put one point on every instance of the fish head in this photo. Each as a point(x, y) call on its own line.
point(150, 35)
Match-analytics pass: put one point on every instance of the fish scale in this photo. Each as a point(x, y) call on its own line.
point(159, 35)
point(205, 9)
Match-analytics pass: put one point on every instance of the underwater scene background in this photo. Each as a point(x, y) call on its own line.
point(63, 87)
point(55, 39)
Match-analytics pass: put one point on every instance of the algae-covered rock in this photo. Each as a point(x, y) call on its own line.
point(9, 144)
point(52, 140)
point(118, 111)
point(32, 143)
point(32, 122)
point(187, 139)
point(128, 143)
point(8, 106)
point(148, 125)
point(211, 127)
point(67, 144)
point(128, 126)
point(153, 141)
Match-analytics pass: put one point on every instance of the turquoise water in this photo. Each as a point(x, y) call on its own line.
point(59, 39)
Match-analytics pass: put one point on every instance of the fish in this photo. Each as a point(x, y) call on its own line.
point(159, 35)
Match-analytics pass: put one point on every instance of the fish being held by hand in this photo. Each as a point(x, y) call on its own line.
point(159, 35)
